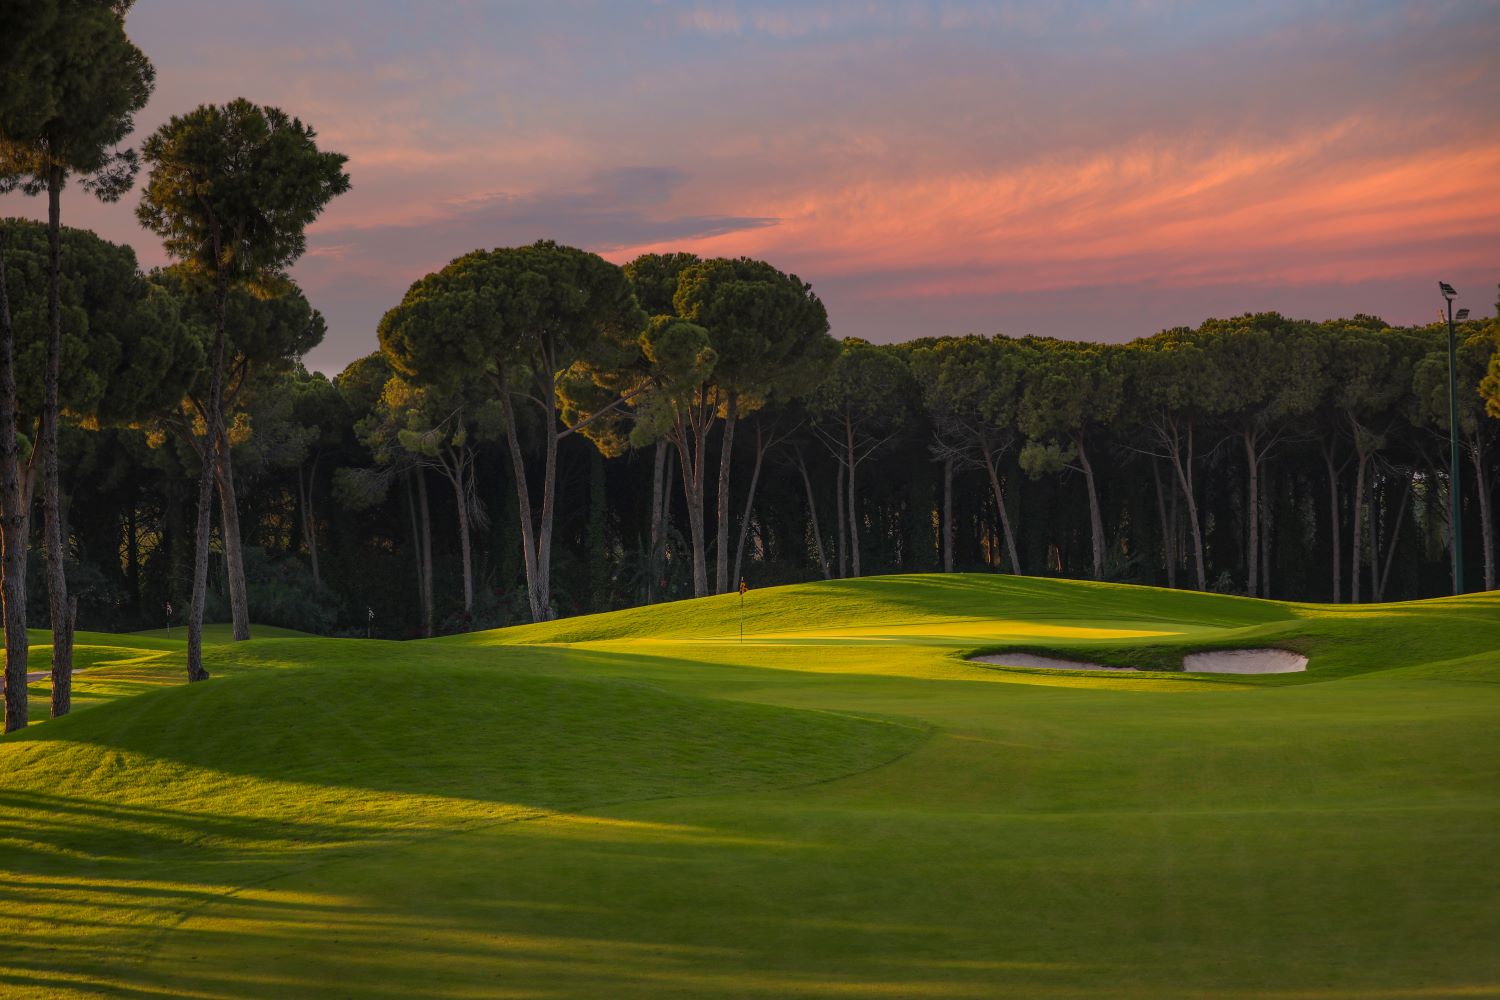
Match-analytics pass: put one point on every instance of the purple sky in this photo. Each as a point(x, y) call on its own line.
point(1097, 170)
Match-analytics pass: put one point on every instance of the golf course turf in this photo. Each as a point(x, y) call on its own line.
point(639, 804)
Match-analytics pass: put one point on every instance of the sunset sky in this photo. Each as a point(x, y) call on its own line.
point(1097, 170)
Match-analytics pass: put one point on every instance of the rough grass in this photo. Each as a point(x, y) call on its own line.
point(640, 805)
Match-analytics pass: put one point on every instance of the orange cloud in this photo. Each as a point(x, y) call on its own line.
point(1144, 212)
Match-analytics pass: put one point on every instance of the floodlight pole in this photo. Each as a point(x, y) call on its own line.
point(1455, 492)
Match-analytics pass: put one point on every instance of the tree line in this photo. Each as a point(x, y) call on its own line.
point(543, 432)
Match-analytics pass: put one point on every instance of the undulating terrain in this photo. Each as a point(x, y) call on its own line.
point(640, 804)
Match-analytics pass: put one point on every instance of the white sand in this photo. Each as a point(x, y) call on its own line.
point(1041, 662)
point(1227, 661)
point(1245, 661)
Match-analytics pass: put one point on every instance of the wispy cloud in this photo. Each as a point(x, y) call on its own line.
point(930, 165)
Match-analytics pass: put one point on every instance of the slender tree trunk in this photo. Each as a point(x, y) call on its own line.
point(12, 521)
point(812, 513)
point(426, 547)
point(1168, 528)
point(989, 538)
point(598, 536)
point(309, 517)
point(215, 414)
point(658, 493)
point(1267, 527)
point(57, 580)
point(549, 504)
point(1390, 553)
point(853, 508)
point(1486, 516)
point(416, 541)
point(133, 557)
point(693, 461)
point(1377, 509)
point(1252, 511)
point(839, 495)
point(1356, 514)
point(999, 494)
point(1185, 480)
point(1096, 519)
point(460, 496)
point(539, 612)
point(1179, 541)
point(726, 452)
point(739, 549)
point(666, 545)
point(1336, 532)
point(948, 514)
point(234, 553)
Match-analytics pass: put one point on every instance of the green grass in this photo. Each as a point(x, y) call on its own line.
point(640, 805)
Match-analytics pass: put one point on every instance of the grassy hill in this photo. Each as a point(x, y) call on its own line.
point(641, 805)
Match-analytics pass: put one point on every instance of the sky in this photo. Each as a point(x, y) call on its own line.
point(1084, 170)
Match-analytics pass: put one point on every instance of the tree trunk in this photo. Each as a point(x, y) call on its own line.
point(658, 495)
point(739, 549)
point(1267, 528)
point(539, 612)
point(549, 502)
point(416, 541)
point(1185, 480)
point(693, 461)
point(726, 452)
point(309, 518)
point(1252, 512)
point(12, 521)
point(465, 550)
point(812, 513)
point(1096, 519)
point(1376, 510)
point(853, 516)
point(1486, 516)
point(1390, 553)
point(838, 495)
point(215, 413)
point(999, 494)
point(57, 580)
point(1333, 515)
point(425, 545)
point(234, 553)
point(1357, 532)
point(133, 557)
point(948, 514)
point(1168, 528)
point(597, 545)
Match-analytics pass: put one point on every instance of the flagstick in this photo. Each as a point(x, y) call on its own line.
point(743, 588)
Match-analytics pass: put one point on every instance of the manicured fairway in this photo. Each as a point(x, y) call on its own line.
point(640, 805)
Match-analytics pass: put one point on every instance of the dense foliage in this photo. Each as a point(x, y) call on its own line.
point(1259, 454)
point(544, 433)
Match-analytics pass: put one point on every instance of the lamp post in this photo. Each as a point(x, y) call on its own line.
point(1455, 492)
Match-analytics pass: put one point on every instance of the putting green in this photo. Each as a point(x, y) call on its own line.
point(639, 805)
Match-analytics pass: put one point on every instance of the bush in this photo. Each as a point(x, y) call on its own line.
point(282, 592)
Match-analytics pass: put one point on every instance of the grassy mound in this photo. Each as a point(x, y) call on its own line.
point(122, 819)
point(877, 604)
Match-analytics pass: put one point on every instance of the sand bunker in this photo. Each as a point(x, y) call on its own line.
point(1245, 661)
point(1224, 661)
